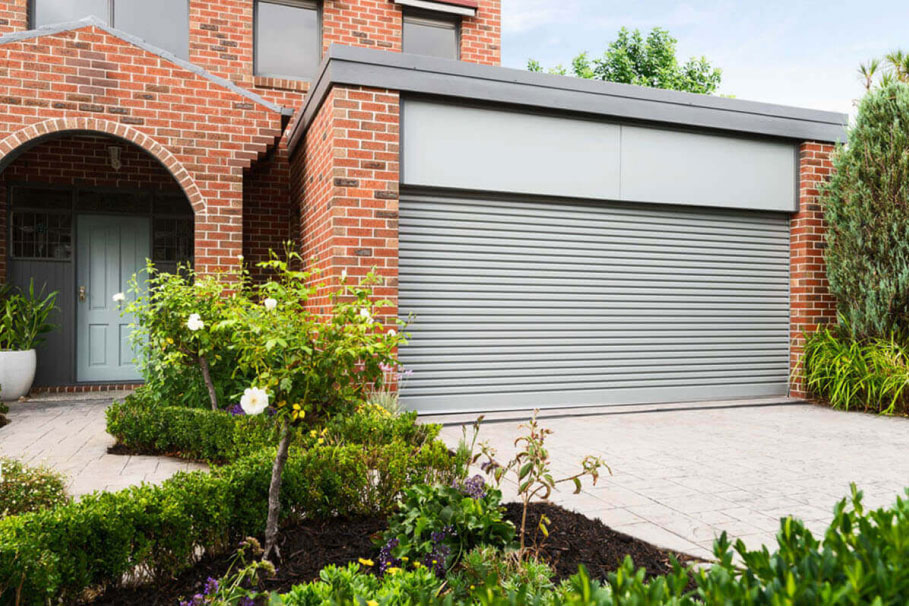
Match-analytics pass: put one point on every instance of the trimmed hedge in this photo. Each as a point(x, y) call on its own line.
point(204, 434)
point(157, 530)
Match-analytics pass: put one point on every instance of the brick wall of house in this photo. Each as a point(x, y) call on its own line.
point(13, 16)
point(206, 134)
point(345, 178)
point(269, 220)
point(811, 303)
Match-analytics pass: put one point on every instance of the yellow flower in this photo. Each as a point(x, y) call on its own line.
point(313, 433)
point(321, 441)
point(394, 570)
point(298, 413)
point(404, 558)
point(170, 341)
point(372, 603)
point(365, 562)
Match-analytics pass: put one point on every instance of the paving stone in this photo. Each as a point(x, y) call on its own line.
point(687, 473)
point(67, 433)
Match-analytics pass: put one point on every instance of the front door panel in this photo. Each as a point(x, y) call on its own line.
point(109, 251)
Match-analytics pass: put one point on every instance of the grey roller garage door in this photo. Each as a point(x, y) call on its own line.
point(528, 303)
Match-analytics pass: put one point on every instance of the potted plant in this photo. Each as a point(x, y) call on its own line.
point(23, 324)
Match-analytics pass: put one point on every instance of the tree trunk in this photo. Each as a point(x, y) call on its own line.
point(206, 375)
point(274, 494)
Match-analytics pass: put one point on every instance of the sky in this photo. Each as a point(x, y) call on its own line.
point(796, 52)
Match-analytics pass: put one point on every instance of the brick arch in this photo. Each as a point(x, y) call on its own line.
point(14, 142)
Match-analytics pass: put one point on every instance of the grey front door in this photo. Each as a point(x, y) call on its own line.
point(110, 249)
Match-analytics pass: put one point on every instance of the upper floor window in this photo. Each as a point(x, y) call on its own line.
point(426, 34)
point(288, 38)
point(162, 23)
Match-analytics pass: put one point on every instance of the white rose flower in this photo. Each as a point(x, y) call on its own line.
point(392, 332)
point(364, 313)
point(195, 322)
point(119, 297)
point(254, 401)
point(270, 304)
point(343, 275)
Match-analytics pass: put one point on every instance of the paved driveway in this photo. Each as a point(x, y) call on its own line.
point(68, 434)
point(682, 475)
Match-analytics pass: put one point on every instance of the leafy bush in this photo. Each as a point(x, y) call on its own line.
point(202, 434)
point(437, 525)
point(25, 489)
point(867, 210)
point(350, 585)
point(487, 565)
point(182, 366)
point(193, 433)
point(870, 375)
point(160, 529)
point(24, 317)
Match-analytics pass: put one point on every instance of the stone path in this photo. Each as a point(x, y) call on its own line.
point(681, 476)
point(68, 434)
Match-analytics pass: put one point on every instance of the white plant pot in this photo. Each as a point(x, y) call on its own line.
point(17, 371)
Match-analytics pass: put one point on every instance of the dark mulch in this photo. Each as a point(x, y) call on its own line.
point(575, 539)
point(305, 550)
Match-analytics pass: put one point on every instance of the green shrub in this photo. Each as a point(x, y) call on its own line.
point(24, 316)
point(25, 489)
point(204, 434)
point(194, 433)
point(350, 585)
point(436, 525)
point(159, 529)
point(868, 375)
point(867, 210)
point(487, 565)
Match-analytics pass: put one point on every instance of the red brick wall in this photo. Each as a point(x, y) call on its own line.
point(13, 16)
point(269, 220)
point(83, 160)
point(91, 81)
point(811, 303)
point(345, 178)
point(481, 36)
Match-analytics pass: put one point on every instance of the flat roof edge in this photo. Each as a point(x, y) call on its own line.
point(472, 82)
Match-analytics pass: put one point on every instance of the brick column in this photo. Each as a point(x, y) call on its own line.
point(811, 304)
point(345, 178)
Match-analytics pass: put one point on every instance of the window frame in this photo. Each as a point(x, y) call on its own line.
point(33, 10)
point(315, 5)
point(432, 19)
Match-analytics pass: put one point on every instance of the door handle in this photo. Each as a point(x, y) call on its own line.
point(81, 294)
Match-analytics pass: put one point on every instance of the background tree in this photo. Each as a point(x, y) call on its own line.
point(867, 210)
point(632, 59)
point(894, 67)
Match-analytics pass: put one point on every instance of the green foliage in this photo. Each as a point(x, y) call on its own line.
point(437, 524)
point(242, 582)
point(866, 205)
point(893, 67)
point(531, 469)
point(193, 433)
point(24, 317)
point(203, 434)
point(309, 364)
point(868, 375)
point(632, 59)
point(860, 560)
point(488, 565)
point(350, 585)
point(25, 489)
point(169, 352)
point(159, 529)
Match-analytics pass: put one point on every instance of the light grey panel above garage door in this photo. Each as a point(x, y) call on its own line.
point(484, 149)
point(530, 303)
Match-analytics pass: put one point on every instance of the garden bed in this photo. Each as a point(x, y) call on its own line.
point(574, 539)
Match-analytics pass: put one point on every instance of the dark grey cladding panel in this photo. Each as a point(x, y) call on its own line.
point(488, 84)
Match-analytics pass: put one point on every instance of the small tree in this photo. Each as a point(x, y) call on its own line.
point(866, 205)
point(307, 366)
point(176, 317)
point(632, 59)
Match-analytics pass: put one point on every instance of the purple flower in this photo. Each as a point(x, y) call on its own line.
point(247, 602)
point(386, 559)
point(475, 487)
point(236, 410)
point(211, 586)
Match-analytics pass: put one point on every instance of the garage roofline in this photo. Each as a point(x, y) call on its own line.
point(408, 73)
